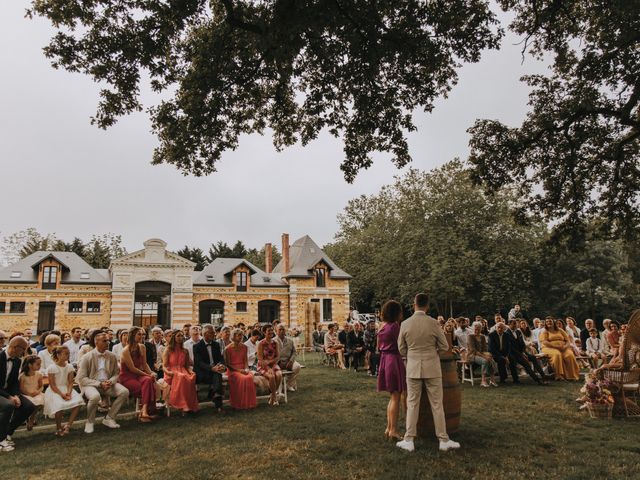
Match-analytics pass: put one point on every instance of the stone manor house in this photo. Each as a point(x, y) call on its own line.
point(59, 290)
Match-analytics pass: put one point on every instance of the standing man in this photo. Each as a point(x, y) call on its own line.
point(420, 340)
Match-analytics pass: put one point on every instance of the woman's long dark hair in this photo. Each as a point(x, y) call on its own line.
point(391, 312)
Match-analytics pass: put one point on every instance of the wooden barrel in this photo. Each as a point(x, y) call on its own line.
point(451, 399)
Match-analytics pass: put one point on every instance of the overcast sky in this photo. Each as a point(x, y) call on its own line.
point(60, 174)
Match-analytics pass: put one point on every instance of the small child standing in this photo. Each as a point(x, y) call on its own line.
point(595, 348)
point(60, 395)
point(31, 385)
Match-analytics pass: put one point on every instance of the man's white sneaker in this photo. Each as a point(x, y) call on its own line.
point(88, 427)
point(406, 445)
point(448, 445)
point(6, 447)
point(10, 441)
point(110, 422)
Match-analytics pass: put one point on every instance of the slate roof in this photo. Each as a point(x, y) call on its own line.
point(219, 273)
point(304, 255)
point(73, 266)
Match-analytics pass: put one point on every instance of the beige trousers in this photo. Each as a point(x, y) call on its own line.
point(93, 395)
point(434, 392)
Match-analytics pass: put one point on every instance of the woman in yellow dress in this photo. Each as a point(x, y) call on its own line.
point(557, 346)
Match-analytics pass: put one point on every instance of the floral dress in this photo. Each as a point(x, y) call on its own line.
point(269, 352)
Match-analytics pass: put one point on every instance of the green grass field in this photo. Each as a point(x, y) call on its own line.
point(333, 428)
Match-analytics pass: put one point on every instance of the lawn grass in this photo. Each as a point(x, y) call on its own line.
point(333, 428)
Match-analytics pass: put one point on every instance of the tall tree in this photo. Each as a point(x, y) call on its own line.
point(576, 154)
point(196, 255)
point(356, 68)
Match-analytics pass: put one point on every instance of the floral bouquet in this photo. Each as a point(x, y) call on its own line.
point(597, 396)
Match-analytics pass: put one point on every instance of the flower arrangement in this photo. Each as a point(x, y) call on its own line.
point(597, 396)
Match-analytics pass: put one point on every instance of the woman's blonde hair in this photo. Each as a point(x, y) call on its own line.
point(49, 339)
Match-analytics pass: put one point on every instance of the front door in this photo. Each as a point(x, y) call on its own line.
point(268, 311)
point(46, 316)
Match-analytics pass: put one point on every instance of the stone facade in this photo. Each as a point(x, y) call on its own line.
point(154, 285)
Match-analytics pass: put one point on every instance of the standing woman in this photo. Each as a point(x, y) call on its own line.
point(242, 390)
point(391, 370)
point(176, 364)
point(268, 356)
point(137, 377)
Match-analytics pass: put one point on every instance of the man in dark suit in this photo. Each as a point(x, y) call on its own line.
point(500, 349)
point(343, 338)
point(208, 363)
point(355, 344)
point(518, 353)
point(14, 408)
point(318, 338)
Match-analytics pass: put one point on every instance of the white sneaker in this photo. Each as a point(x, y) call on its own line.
point(10, 441)
point(110, 422)
point(88, 427)
point(291, 389)
point(406, 445)
point(448, 445)
point(6, 447)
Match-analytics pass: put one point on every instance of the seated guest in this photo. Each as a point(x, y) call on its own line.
point(60, 396)
point(595, 348)
point(355, 344)
point(3, 340)
point(50, 342)
point(318, 338)
point(209, 365)
point(478, 353)
point(461, 333)
point(555, 344)
point(87, 346)
point(527, 335)
point(194, 337)
point(32, 385)
point(178, 374)
point(123, 339)
point(242, 390)
point(500, 348)
point(186, 331)
point(371, 347)
point(98, 374)
point(613, 338)
point(252, 349)
point(287, 359)
point(573, 331)
point(225, 337)
point(15, 408)
point(268, 355)
point(332, 345)
point(497, 320)
point(154, 348)
point(343, 338)
point(518, 353)
point(449, 334)
point(603, 335)
point(137, 377)
point(74, 344)
point(585, 334)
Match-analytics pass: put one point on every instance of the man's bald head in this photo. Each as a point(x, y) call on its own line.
point(17, 346)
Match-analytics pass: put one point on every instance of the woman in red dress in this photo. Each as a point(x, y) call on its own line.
point(242, 390)
point(268, 355)
point(176, 364)
point(137, 377)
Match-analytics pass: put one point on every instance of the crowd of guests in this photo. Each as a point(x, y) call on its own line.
point(162, 368)
point(549, 348)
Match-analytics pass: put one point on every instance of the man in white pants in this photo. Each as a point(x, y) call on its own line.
point(420, 340)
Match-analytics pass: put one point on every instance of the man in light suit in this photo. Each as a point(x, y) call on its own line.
point(420, 340)
point(97, 376)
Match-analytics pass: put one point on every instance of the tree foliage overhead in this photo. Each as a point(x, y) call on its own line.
point(355, 67)
point(577, 153)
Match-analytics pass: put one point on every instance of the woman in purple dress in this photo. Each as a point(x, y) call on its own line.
point(391, 371)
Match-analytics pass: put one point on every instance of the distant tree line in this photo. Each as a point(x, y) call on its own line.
point(223, 250)
point(477, 253)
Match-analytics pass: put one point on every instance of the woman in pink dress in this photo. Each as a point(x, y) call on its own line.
point(137, 377)
point(268, 355)
point(242, 390)
point(176, 364)
point(391, 371)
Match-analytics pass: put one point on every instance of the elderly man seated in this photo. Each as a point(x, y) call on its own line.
point(287, 359)
point(14, 407)
point(98, 376)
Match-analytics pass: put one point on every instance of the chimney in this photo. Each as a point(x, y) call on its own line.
point(285, 253)
point(268, 266)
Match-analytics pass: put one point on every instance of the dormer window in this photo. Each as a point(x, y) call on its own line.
point(320, 277)
point(49, 278)
point(241, 281)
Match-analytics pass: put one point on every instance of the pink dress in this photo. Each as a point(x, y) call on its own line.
point(183, 394)
point(140, 386)
point(242, 390)
point(269, 352)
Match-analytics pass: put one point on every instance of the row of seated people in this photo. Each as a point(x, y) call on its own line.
point(25, 384)
point(352, 347)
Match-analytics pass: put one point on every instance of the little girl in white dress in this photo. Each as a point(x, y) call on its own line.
point(60, 395)
point(31, 385)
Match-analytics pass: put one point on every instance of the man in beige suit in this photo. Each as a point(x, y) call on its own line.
point(420, 340)
point(97, 376)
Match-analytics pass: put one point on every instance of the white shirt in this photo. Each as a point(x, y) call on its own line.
point(102, 367)
point(117, 350)
point(47, 361)
point(74, 348)
point(188, 346)
point(461, 335)
point(595, 345)
point(252, 349)
point(535, 336)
